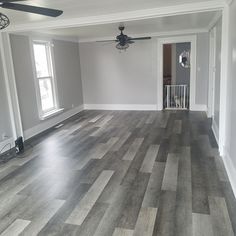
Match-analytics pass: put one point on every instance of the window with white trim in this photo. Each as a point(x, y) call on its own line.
point(45, 81)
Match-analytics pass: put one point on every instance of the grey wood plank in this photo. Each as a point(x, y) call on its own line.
point(149, 159)
point(202, 225)
point(220, 217)
point(113, 186)
point(199, 186)
point(102, 149)
point(56, 225)
point(153, 191)
point(96, 118)
point(16, 227)
point(165, 220)
point(133, 201)
point(91, 222)
point(104, 121)
point(42, 217)
point(184, 195)
point(151, 118)
point(171, 173)
point(130, 154)
point(121, 142)
point(85, 205)
point(177, 129)
point(122, 232)
point(108, 223)
point(146, 221)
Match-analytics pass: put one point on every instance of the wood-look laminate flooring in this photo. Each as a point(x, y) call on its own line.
point(120, 173)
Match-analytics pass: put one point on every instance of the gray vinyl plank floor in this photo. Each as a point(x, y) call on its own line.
point(119, 173)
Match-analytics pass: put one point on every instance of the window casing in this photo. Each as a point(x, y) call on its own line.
point(46, 90)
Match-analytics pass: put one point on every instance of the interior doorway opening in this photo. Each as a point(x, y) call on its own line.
point(176, 75)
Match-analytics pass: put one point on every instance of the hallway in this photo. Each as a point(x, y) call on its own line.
point(113, 173)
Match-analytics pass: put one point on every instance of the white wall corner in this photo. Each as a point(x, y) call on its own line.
point(129, 107)
point(47, 124)
point(230, 169)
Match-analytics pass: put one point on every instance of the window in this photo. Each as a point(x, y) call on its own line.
point(45, 81)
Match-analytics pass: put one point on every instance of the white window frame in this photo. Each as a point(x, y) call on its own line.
point(51, 67)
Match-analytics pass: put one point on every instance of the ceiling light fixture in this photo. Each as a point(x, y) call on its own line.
point(4, 21)
point(122, 47)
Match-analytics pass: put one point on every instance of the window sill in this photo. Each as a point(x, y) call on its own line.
point(51, 114)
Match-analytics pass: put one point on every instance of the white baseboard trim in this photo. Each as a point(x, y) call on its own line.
point(5, 145)
point(47, 124)
point(231, 170)
point(199, 107)
point(130, 107)
point(215, 130)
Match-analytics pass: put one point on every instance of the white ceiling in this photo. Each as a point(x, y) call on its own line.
point(85, 8)
point(189, 22)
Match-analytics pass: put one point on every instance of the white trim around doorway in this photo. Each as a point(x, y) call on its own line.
point(170, 40)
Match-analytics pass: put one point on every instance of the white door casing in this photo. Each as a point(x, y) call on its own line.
point(170, 40)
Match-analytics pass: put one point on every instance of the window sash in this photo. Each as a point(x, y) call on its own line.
point(44, 111)
point(50, 77)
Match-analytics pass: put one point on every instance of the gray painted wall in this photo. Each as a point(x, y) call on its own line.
point(110, 77)
point(182, 74)
point(231, 95)
point(217, 73)
point(5, 125)
point(67, 70)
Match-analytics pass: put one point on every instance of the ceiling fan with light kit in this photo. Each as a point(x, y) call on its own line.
point(123, 41)
point(10, 4)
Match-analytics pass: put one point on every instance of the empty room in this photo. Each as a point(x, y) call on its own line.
point(117, 118)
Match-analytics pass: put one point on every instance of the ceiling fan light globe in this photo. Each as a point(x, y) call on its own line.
point(4, 21)
point(122, 47)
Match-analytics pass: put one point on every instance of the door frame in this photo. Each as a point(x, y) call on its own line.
point(212, 70)
point(192, 39)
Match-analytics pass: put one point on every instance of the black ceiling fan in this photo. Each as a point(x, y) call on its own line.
point(9, 4)
point(124, 40)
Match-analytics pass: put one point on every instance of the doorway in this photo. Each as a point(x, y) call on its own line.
point(176, 73)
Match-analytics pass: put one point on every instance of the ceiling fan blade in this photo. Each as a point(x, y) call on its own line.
point(106, 41)
point(141, 38)
point(31, 9)
point(12, 0)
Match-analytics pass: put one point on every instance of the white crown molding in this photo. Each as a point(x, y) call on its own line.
point(124, 107)
point(229, 2)
point(48, 36)
point(153, 35)
point(217, 16)
point(121, 16)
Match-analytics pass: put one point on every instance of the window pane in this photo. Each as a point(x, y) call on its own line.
point(41, 61)
point(46, 93)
